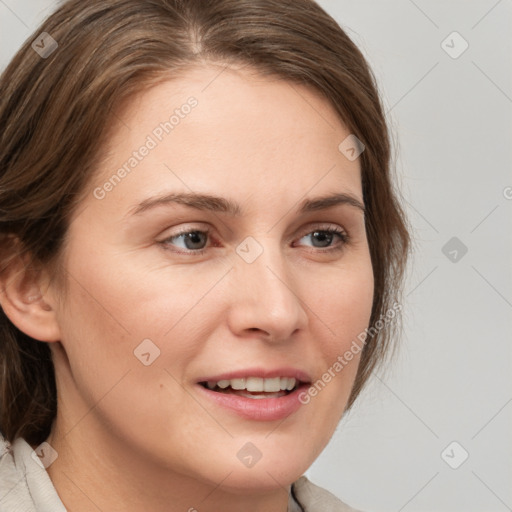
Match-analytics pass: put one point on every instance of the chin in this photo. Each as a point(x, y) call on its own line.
point(248, 469)
point(263, 477)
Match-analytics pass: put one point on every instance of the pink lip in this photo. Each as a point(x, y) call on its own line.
point(259, 409)
point(259, 372)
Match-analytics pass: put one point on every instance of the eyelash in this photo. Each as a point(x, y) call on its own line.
point(343, 235)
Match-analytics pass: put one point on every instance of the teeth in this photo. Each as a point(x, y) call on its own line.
point(238, 383)
point(256, 384)
point(272, 384)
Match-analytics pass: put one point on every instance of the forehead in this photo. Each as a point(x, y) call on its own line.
point(234, 130)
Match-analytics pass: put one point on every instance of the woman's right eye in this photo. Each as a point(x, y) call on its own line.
point(192, 241)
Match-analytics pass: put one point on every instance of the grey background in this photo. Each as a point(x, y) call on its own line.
point(451, 119)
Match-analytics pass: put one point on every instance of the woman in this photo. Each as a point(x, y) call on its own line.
point(201, 244)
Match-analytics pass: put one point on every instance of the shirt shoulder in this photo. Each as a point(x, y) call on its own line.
point(25, 486)
point(313, 498)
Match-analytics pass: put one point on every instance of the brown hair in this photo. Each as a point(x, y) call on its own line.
point(54, 111)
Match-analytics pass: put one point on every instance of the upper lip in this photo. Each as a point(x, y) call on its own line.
point(264, 373)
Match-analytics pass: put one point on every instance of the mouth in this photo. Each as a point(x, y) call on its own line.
point(256, 394)
point(254, 387)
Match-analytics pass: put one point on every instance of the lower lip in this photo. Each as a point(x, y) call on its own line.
point(259, 409)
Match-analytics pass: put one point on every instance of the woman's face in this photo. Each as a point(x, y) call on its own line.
point(165, 296)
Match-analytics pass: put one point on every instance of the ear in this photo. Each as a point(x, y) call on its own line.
point(25, 297)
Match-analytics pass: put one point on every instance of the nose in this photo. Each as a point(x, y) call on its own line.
point(265, 298)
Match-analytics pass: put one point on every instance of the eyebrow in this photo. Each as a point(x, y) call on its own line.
point(207, 202)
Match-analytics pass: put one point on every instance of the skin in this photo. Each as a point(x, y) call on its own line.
point(135, 438)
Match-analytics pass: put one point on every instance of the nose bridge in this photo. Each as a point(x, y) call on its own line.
point(266, 298)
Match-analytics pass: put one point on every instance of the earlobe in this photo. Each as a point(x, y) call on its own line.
point(24, 304)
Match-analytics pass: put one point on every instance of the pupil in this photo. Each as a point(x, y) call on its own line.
point(322, 236)
point(195, 238)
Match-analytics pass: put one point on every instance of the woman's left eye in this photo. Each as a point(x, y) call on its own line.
point(195, 241)
point(326, 236)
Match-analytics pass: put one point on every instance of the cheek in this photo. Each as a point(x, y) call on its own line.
point(113, 308)
point(95, 340)
point(344, 310)
point(101, 328)
point(345, 305)
point(125, 294)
